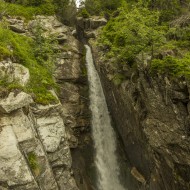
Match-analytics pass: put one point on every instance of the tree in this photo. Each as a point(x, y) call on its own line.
point(131, 33)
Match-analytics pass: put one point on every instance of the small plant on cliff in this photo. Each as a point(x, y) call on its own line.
point(33, 162)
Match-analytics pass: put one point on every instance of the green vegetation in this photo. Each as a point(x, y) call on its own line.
point(130, 33)
point(97, 7)
point(38, 60)
point(25, 11)
point(172, 66)
point(37, 54)
point(84, 13)
point(33, 162)
point(65, 9)
point(32, 158)
point(142, 33)
point(4, 52)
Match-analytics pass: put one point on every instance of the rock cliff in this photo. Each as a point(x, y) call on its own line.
point(151, 115)
point(35, 140)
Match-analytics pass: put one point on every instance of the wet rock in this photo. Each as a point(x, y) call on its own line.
point(91, 23)
point(137, 175)
point(90, 35)
point(73, 141)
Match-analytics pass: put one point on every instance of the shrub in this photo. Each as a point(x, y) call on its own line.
point(174, 67)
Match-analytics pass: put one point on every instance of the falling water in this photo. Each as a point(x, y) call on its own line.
point(103, 133)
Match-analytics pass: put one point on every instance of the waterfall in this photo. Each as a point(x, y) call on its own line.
point(102, 132)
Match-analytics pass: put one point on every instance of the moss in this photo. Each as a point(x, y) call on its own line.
point(32, 158)
point(41, 80)
point(4, 53)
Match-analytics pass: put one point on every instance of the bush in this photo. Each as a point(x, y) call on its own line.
point(174, 67)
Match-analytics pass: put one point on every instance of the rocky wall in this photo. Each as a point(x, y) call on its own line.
point(151, 115)
point(35, 140)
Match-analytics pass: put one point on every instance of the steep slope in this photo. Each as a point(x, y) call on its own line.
point(36, 135)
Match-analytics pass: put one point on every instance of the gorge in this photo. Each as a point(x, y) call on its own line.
point(94, 102)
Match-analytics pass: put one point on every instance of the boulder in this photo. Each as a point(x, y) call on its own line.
point(14, 102)
point(17, 28)
point(136, 174)
point(67, 70)
point(49, 24)
point(89, 35)
point(22, 126)
point(6, 70)
point(21, 74)
point(14, 72)
point(16, 25)
point(52, 131)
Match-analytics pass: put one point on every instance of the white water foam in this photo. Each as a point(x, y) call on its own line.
point(102, 132)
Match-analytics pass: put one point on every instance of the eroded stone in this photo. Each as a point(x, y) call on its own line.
point(15, 101)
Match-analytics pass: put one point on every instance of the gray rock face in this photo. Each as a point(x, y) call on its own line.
point(86, 28)
point(50, 26)
point(15, 101)
point(23, 160)
point(152, 117)
point(17, 25)
point(34, 151)
point(91, 23)
point(14, 72)
point(35, 139)
point(13, 167)
point(50, 127)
